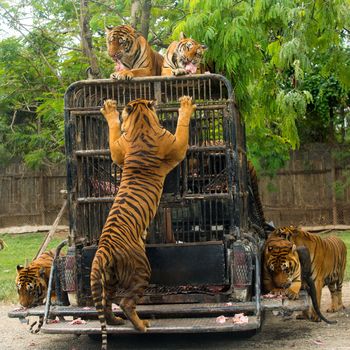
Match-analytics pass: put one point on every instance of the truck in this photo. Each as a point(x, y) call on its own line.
point(205, 242)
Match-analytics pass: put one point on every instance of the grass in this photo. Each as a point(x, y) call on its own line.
point(345, 236)
point(24, 246)
point(19, 247)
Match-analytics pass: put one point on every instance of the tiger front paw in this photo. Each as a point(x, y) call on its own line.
point(179, 71)
point(186, 105)
point(109, 111)
point(291, 294)
point(278, 291)
point(122, 75)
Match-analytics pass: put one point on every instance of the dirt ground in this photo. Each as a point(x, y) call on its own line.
point(277, 333)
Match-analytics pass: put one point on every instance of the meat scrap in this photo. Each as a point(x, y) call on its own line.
point(272, 296)
point(236, 319)
point(240, 319)
point(77, 321)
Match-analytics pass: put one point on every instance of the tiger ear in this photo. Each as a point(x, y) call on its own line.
point(152, 104)
point(19, 267)
point(204, 47)
point(182, 36)
point(129, 108)
point(108, 28)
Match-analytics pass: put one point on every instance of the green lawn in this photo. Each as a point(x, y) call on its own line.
point(18, 248)
point(345, 236)
point(24, 246)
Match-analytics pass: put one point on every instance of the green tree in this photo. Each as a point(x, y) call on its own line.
point(270, 50)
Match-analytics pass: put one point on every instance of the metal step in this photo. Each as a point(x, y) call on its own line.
point(173, 325)
point(176, 310)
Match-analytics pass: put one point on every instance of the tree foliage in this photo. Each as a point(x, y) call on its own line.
point(288, 62)
point(286, 59)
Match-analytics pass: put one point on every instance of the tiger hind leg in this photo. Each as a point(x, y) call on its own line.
point(128, 305)
point(138, 284)
point(111, 319)
point(336, 297)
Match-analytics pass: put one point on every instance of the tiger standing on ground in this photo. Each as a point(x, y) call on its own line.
point(328, 262)
point(147, 152)
point(32, 283)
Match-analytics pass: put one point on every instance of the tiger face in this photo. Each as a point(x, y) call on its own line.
point(282, 270)
point(31, 285)
point(121, 44)
point(183, 57)
point(139, 112)
point(189, 55)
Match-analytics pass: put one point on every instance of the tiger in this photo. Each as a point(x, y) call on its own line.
point(281, 268)
point(328, 262)
point(287, 269)
point(147, 153)
point(32, 283)
point(183, 57)
point(132, 54)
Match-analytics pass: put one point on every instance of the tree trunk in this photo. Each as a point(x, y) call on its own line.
point(145, 17)
point(86, 40)
point(135, 13)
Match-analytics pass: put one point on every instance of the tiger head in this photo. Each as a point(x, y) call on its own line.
point(189, 54)
point(281, 260)
point(31, 285)
point(139, 114)
point(121, 45)
point(286, 232)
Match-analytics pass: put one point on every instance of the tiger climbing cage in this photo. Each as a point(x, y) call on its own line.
point(205, 241)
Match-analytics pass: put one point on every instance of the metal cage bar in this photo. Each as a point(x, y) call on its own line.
point(202, 198)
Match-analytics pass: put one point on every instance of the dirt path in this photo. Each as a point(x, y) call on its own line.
point(277, 333)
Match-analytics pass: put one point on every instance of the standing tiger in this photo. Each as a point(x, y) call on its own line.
point(32, 282)
point(286, 269)
point(281, 268)
point(183, 57)
point(132, 54)
point(328, 261)
point(147, 152)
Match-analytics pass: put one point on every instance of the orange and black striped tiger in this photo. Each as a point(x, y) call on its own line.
point(132, 54)
point(281, 268)
point(32, 282)
point(147, 152)
point(183, 57)
point(286, 269)
point(328, 262)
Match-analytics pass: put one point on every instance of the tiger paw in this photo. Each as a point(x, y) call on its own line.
point(335, 308)
point(146, 323)
point(122, 75)
point(109, 110)
point(186, 105)
point(291, 294)
point(116, 321)
point(314, 317)
point(278, 291)
point(179, 71)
